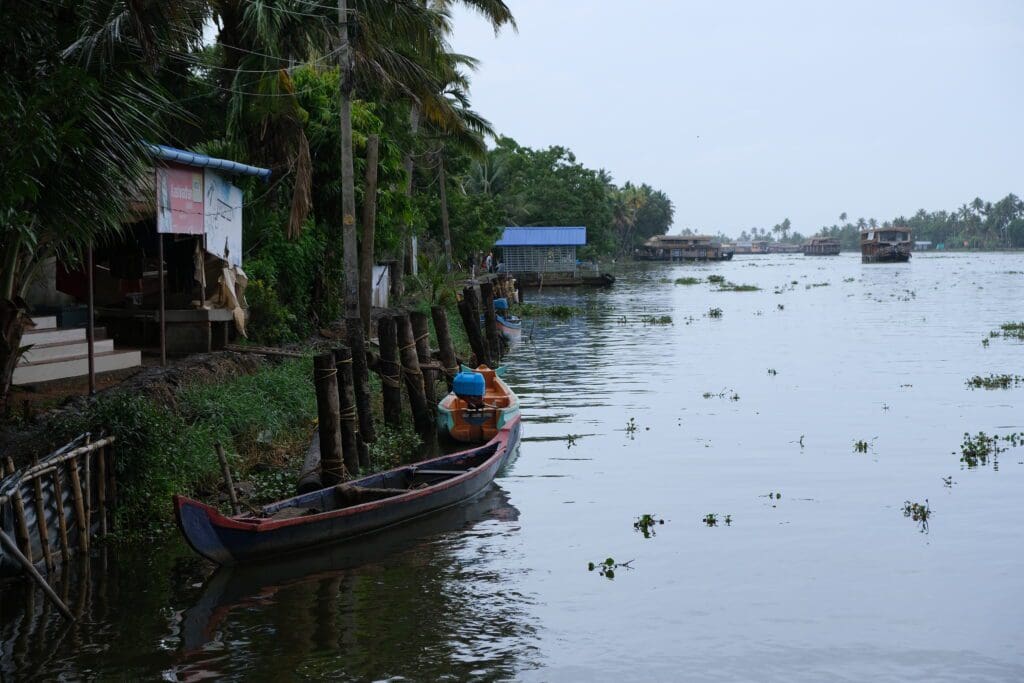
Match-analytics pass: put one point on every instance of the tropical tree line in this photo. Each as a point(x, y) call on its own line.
point(978, 224)
point(360, 108)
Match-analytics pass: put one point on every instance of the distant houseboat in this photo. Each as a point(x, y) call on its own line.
point(821, 246)
point(888, 245)
point(683, 248)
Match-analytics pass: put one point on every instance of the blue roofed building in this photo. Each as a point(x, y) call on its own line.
point(532, 251)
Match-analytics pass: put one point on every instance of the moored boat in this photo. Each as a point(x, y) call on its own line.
point(821, 246)
point(348, 510)
point(887, 245)
point(509, 326)
point(478, 407)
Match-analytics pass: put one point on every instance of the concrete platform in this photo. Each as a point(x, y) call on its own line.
point(29, 373)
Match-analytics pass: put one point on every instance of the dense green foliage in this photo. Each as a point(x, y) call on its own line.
point(259, 418)
point(976, 225)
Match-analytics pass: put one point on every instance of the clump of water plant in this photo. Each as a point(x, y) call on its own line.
point(714, 312)
point(976, 450)
point(733, 287)
point(816, 284)
point(724, 393)
point(557, 311)
point(656, 320)
point(1014, 330)
point(772, 372)
point(631, 426)
point(860, 446)
point(645, 524)
point(608, 567)
point(919, 512)
point(781, 307)
point(688, 280)
point(773, 497)
point(994, 381)
point(716, 279)
point(710, 519)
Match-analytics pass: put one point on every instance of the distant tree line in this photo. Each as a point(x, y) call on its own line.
point(975, 225)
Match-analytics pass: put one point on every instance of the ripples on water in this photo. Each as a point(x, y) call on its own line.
point(832, 582)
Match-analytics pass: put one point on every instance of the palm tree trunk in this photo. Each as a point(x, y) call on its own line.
point(348, 191)
point(398, 286)
point(369, 225)
point(445, 228)
point(11, 328)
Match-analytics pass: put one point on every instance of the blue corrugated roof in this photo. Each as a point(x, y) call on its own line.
point(193, 159)
point(543, 237)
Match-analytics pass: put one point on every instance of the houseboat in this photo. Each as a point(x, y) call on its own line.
point(821, 246)
point(683, 248)
point(886, 245)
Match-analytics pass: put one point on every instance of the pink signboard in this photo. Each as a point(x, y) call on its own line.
point(179, 199)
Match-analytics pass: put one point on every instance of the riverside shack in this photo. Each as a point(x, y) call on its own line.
point(547, 256)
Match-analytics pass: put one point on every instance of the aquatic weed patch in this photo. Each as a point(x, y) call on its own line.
point(1012, 330)
point(980, 448)
point(688, 280)
point(716, 279)
point(994, 381)
point(711, 519)
point(714, 313)
point(645, 525)
point(608, 567)
point(919, 512)
point(556, 311)
point(656, 319)
point(733, 287)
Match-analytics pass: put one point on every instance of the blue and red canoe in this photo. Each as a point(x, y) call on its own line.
point(347, 510)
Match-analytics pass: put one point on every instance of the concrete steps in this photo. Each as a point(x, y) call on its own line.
point(63, 353)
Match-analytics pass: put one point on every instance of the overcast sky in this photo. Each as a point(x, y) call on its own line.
point(749, 111)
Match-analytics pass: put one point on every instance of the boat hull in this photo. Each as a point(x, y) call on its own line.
point(237, 540)
point(510, 329)
point(890, 255)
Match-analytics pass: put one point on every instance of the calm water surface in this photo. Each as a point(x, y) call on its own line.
point(828, 582)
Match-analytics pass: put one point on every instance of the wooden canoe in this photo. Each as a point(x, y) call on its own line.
point(455, 418)
point(345, 511)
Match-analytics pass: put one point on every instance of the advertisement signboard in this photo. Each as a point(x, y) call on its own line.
point(223, 219)
point(179, 200)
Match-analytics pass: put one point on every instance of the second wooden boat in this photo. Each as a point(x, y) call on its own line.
point(478, 407)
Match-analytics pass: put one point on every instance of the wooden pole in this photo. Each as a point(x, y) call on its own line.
point(390, 371)
point(44, 531)
point(421, 335)
point(443, 197)
point(12, 548)
point(9, 465)
point(90, 329)
point(361, 378)
point(309, 478)
point(347, 407)
point(444, 342)
point(163, 305)
point(101, 487)
point(413, 377)
point(369, 227)
point(80, 518)
point(325, 380)
point(490, 321)
point(21, 524)
point(62, 522)
point(468, 311)
point(225, 471)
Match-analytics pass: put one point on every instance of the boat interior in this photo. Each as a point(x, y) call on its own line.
point(378, 486)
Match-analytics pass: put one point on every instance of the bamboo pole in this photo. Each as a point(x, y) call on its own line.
point(80, 519)
point(325, 377)
point(30, 569)
point(444, 342)
point(421, 335)
point(361, 378)
point(413, 377)
point(101, 487)
point(390, 371)
point(44, 531)
point(470, 313)
point(369, 228)
point(90, 329)
point(347, 408)
point(490, 321)
point(62, 522)
point(21, 524)
point(225, 471)
point(163, 306)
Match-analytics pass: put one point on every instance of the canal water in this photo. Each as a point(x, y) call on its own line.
point(811, 571)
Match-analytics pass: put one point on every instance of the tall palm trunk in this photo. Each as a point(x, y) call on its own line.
point(445, 227)
point(369, 226)
point(405, 240)
point(350, 240)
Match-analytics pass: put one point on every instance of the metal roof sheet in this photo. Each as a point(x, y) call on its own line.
point(194, 159)
point(543, 237)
